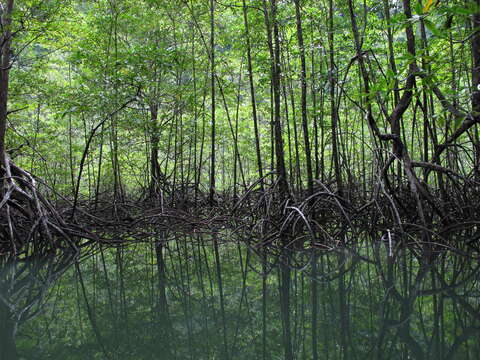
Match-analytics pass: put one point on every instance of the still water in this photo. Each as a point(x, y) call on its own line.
point(191, 299)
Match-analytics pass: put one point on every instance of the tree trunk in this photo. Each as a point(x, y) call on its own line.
point(212, 70)
point(476, 65)
point(476, 79)
point(5, 41)
point(333, 107)
point(303, 80)
point(155, 172)
point(279, 151)
point(252, 94)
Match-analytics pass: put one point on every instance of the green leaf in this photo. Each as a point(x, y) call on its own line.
point(431, 26)
point(418, 8)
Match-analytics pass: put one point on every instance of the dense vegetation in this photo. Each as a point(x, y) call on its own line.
point(306, 117)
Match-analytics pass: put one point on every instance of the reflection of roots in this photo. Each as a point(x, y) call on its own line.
point(26, 217)
point(24, 286)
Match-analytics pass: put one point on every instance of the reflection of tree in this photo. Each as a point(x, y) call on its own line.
point(164, 301)
point(284, 295)
point(7, 334)
point(164, 327)
point(23, 286)
point(420, 330)
point(376, 307)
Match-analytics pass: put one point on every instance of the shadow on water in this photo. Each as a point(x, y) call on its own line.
point(200, 297)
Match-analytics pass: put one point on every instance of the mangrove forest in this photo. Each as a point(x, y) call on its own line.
point(239, 179)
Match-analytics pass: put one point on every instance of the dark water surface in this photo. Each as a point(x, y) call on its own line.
point(189, 299)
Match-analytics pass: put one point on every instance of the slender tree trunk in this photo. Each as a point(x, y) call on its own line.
point(333, 106)
point(155, 172)
point(476, 65)
point(252, 94)
point(297, 174)
point(303, 80)
point(5, 42)
point(391, 53)
point(212, 73)
point(268, 27)
point(476, 80)
point(289, 138)
point(322, 128)
point(117, 178)
point(279, 150)
point(313, 89)
point(195, 117)
point(393, 68)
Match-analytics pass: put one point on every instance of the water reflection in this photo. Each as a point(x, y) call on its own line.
point(23, 289)
point(193, 297)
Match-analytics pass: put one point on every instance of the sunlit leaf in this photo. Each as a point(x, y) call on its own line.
point(427, 6)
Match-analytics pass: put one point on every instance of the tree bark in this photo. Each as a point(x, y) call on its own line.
point(155, 171)
point(252, 94)
point(279, 150)
point(5, 42)
point(212, 70)
point(476, 65)
point(332, 77)
point(303, 80)
point(476, 80)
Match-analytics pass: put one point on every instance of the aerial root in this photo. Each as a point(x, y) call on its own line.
point(325, 218)
point(27, 218)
